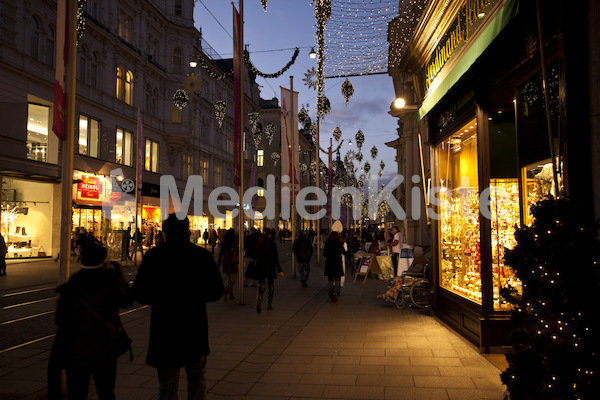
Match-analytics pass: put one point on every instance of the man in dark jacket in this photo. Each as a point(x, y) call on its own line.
point(302, 249)
point(178, 278)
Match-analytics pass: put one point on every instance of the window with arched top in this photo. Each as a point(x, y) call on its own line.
point(178, 8)
point(120, 82)
point(177, 57)
point(129, 88)
point(34, 38)
point(82, 63)
point(50, 42)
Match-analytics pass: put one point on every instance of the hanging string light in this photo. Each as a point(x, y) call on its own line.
point(367, 167)
point(382, 165)
point(303, 117)
point(360, 139)
point(254, 118)
point(303, 169)
point(274, 75)
point(180, 98)
point(264, 4)
point(257, 137)
point(269, 132)
point(373, 153)
point(359, 157)
point(80, 20)
point(323, 106)
point(337, 133)
point(220, 107)
point(212, 74)
point(313, 132)
point(275, 157)
point(347, 90)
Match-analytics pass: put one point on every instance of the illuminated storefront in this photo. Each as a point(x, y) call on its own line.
point(27, 217)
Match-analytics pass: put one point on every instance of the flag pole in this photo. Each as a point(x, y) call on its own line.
point(293, 170)
point(68, 144)
point(240, 150)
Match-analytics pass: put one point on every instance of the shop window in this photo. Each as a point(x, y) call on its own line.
point(50, 50)
point(37, 132)
point(458, 201)
point(204, 171)
point(260, 157)
point(89, 136)
point(151, 158)
point(188, 165)
point(124, 147)
point(34, 38)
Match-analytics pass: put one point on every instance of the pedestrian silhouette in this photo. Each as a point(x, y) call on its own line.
point(177, 279)
point(267, 267)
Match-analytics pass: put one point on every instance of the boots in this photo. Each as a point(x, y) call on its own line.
point(271, 290)
point(259, 296)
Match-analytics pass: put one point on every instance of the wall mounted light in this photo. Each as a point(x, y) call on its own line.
point(399, 102)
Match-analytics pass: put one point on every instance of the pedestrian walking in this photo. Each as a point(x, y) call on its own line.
point(205, 237)
point(302, 249)
point(267, 267)
point(3, 252)
point(177, 279)
point(333, 264)
point(87, 316)
point(229, 258)
point(250, 243)
point(138, 239)
point(213, 240)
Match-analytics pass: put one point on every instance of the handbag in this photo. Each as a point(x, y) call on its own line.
point(252, 271)
point(122, 341)
point(41, 252)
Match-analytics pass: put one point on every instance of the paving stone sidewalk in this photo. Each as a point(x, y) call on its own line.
point(306, 348)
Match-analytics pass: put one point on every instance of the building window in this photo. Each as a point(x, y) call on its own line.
point(176, 114)
point(34, 38)
point(188, 165)
point(91, 7)
point(204, 170)
point(260, 158)
point(37, 132)
point(120, 82)
point(94, 70)
point(261, 184)
point(89, 136)
point(129, 88)
point(151, 159)
point(82, 63)
point(152, 47)
point(229, 144)
point(124, 147)
point(50, 50)
point(178, 8)
point(148, 102)
point(218, 175)
point(125, 25)
point(177, 61)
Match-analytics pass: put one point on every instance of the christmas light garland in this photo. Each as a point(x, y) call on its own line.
point(347, 90)
point(80, 20)
point(337, 133)
point(180, 98)
point(220, 107)
point(275, 157)
point(269, 132)
point(274, 75)
point(373, 153)
point(360, 139)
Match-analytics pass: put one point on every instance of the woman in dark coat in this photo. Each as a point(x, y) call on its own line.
point(334, 249)
point(86, 315)
point(229, 258)
point(267, 267)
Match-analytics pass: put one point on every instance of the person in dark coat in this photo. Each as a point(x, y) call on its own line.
point(177, 279)
point(3, 252)
point(267, 266)
point(250, 243)
point(302, 249)
point(334, 249)
point(229, 258)
point(86, 315)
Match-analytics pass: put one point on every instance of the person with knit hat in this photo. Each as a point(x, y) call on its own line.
point(87, 315)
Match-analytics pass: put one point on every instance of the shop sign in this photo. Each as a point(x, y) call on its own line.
point(90, 187)
point(469, 17)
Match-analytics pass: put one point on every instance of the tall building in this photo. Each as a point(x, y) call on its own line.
point(131, 61)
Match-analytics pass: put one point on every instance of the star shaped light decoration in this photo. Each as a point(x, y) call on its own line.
point(309, 78)
point(192, 84)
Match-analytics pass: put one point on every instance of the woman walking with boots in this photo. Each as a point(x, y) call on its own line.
point(229, 258)
point(267, 267)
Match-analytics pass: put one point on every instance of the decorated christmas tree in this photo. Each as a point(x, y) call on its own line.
point(557, 343)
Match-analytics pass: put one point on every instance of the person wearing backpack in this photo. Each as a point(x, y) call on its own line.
point(302, 249)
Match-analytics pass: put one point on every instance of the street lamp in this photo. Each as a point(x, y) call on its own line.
point(193, 64)
point(313, 53)
point(399, 102)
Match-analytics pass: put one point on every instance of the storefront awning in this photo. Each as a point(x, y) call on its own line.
point(491, 31)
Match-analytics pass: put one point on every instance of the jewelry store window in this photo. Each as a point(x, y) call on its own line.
point(458, 201)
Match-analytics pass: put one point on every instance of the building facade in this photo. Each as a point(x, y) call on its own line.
point(477, 72)
point(131, 61)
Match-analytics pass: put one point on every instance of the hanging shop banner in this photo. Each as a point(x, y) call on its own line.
point(90, 187)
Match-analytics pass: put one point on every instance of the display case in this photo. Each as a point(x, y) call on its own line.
point(505, 216)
